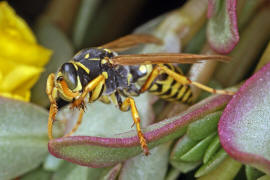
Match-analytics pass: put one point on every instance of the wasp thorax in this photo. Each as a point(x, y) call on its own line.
point(69, 74)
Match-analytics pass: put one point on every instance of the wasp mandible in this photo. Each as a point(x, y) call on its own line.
point(101, 74)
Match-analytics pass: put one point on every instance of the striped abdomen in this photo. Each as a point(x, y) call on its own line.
point(169, 89)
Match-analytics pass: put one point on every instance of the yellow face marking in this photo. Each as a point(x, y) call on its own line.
point(79, 85)
point(87, 56)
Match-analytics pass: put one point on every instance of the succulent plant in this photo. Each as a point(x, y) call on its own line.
point(218, 137)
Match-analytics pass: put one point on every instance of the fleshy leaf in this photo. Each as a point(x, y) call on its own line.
point(173, 174)
point(106, 151)
point(39, 174)
point(217, 159)
point(265, 177)
point(69, 171)
point(23, 137)
point(228, 169)
point(196, 153)
point(252, 173)
point(211, 150)
point(147, 168)
point(111, 173)
point(185, 167)
point(182, 146)
point(244, 125)
point(52, 163)
point(222, 30)
point(205, 126)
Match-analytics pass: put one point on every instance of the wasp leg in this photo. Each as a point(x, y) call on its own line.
point(51, 92)
point(181, 79)
point(76, 126)
point(129, 102)
point(80, 101)
point(131, 40)
point(89, 87)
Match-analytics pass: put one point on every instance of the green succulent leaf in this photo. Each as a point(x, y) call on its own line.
point(52, 163)
point(106, 120)
point(252, 173)
point(23, 137)
point(222, 30)
point(110, 173)
point(39, 174)
point(182, 146)
point(244, 126)
point(217, 159)
point(69, 171)
point(204, 127)
point(228, 169)
point(196, 153)
point(147, 168)
point(185, 167)
point(173, 174)
point(211, 150)
point(265, 177)
point(105, 151)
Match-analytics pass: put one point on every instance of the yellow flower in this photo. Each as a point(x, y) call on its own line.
point(21, 58)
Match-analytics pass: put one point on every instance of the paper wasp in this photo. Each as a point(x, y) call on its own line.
point(101, 74)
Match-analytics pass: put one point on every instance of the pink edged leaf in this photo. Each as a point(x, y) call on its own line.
point(105, 151)
point(222, 30)
point(244, 127)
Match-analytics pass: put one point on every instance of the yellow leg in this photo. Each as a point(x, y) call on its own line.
point(180, 78)
point(80, 101)
point(79, 121)
point(129, 102)
point(50, 88)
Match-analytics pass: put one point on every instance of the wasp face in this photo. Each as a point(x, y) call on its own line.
point(67, 82)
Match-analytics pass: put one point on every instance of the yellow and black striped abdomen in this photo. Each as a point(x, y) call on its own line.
point(169, 89)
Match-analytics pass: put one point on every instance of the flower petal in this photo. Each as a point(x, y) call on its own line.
point(13, 25)
point(17, 79)
point(23, 52)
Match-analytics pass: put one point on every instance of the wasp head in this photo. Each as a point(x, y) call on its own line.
point(67, 82)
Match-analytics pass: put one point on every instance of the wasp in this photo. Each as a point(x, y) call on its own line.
point(101, 74)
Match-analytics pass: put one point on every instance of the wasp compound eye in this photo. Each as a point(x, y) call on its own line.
point(69, 74)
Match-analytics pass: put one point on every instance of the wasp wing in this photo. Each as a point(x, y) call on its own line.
point(165, 58)
point(129, 41)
